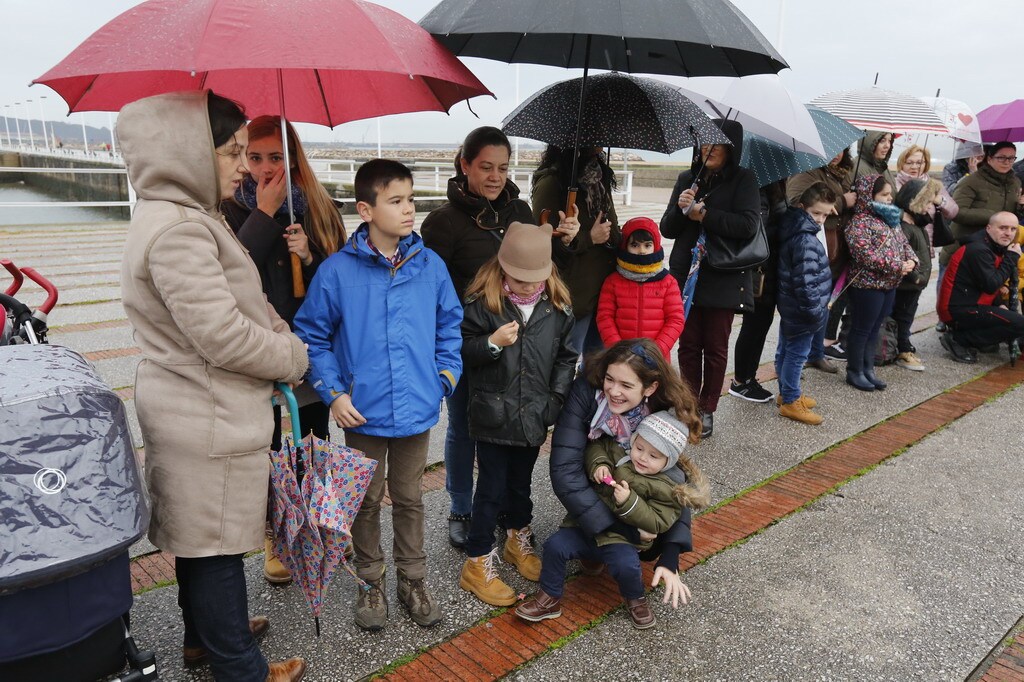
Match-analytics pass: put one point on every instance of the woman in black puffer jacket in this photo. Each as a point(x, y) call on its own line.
point(466, 232)
point(727, 203)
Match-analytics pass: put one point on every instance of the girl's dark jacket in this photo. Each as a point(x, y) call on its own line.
point(805, 282)
point(734, 208)
point(263, 236)
point(467, 230)
point(515, 395)
point(575, 492)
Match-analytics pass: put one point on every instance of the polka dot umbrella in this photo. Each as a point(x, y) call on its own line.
point(619, 110)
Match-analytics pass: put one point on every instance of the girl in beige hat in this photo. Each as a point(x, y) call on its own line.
point(519, 364)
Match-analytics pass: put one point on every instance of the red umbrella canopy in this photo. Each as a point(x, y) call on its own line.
point(336, 60)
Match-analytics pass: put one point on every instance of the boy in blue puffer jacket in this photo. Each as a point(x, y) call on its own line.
point(804, 287)
point(382, 322)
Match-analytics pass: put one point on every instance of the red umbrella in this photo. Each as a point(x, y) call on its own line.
point(338, 60)
point(321, 61)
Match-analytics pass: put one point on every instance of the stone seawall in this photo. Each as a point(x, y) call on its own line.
point(71, 186)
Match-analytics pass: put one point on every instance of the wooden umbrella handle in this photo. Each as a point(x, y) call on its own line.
point(570, 207)
point(298, 286)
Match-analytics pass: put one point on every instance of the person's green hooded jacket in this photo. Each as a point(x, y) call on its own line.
point(867, 164)
point(980, 195)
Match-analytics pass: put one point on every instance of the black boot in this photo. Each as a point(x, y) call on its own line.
point(458, 530)
point(869, 374)
point(855, 367)
point(707, 425)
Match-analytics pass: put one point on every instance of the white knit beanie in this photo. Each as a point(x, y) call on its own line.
point(666, 434)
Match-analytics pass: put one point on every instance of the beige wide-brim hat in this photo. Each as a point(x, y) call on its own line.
point(525, 252)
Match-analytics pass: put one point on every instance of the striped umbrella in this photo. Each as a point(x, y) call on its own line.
point(876, 108)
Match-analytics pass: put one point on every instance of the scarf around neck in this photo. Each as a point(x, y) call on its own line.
point(246, 195)
point(889, 213)
point(591, 180)
point(618, 426)
point(523, 300)
point(638, 268)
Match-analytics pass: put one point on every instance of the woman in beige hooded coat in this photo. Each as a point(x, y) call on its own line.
point(211, 349)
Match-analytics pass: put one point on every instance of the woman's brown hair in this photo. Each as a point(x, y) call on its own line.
point(644, 357)
point(323, 222)
point(487, 284)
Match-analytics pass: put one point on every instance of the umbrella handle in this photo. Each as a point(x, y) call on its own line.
point(298, 286)
point(293, 409)
point(570, 207)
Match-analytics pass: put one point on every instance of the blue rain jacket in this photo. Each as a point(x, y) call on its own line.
point(389, 337)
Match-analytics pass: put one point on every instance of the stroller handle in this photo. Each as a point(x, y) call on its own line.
point(15, 273)
point(293, 410)
point(47, 285)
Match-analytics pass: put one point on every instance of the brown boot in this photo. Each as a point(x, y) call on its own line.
point(195, 656)
point(809, 402)
point(273, 570)
point(541, 607)
point(519, 552)
point(798, 411)
point(640, 613)
point(291, 670)
point(480, 577)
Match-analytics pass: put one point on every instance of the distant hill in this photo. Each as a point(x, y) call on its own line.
point(62, 130)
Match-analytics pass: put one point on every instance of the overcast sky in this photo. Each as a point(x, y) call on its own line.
point(968, 49)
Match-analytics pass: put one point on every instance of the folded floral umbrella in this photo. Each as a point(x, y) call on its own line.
point(618, 111)
point(311, 521)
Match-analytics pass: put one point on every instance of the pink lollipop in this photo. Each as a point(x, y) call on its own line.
point(608, 480)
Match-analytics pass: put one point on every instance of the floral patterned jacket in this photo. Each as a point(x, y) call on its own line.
point(877, 251)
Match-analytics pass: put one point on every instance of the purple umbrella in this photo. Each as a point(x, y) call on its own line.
point(1001, 122)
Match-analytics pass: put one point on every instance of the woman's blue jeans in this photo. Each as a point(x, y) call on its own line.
point(215, 609)
point(459, 451)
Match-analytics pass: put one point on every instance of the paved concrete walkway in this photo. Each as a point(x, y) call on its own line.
point(911, 572)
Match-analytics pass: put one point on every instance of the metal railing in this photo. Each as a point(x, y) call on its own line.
point(430, 179)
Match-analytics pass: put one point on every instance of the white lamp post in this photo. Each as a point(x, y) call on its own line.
point(7, 126)
point(113, 142)
point(42, 118)
point(85, 136)
point(28, 122)
point(17, 123)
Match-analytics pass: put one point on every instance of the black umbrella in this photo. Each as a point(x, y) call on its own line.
point(671, 37)
point(618, 111)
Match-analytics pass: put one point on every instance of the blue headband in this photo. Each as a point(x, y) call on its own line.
point(640, 351)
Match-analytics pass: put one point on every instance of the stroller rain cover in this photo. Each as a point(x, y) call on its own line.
point(71, 494)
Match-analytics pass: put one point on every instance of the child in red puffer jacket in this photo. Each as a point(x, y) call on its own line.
point(641, 299)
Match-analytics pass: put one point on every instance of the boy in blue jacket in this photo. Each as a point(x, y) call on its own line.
point(382, 322)
point(804, 287)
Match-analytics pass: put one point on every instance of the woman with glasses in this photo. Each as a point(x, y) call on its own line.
point(993, 188)
point(212, 348)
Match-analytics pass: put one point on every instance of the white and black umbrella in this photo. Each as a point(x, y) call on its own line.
point(669, 37)
point(618, 111)
point(875, 108)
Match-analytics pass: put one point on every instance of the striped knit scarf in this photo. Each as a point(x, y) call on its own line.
point(637, 268)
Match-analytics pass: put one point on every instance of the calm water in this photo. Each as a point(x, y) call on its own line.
point(46, 215)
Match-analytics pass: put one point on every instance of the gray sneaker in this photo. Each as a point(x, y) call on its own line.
point(372, 606)
point(413, 595)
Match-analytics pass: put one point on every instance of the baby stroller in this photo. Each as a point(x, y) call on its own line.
point(72, 502)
